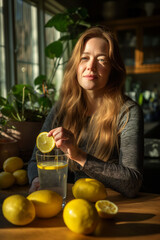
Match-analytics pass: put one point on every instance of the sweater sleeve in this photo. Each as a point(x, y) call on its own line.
point(32, 165)
point(124, 174)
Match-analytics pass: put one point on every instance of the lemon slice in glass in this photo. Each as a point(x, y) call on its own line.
point(106, 209)
point(44, 143)
point(51, 165)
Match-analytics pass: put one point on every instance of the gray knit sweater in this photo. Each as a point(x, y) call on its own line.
point(123, 171)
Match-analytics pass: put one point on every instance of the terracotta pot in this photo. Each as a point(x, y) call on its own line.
point(8, 148)
point(25, 133)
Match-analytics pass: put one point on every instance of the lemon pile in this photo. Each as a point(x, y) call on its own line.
point(20, 210)
point(13, 173)
point(81, 214)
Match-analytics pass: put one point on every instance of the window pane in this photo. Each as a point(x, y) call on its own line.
point(26, 41)
point(51, 34)
point(2, 53)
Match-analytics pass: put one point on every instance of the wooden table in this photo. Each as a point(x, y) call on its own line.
point(138, 218)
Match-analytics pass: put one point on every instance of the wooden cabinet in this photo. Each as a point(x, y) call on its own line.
point(139, 41)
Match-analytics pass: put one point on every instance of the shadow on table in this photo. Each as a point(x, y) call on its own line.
point(141, 197)
point(36, 223)
point(110, 228)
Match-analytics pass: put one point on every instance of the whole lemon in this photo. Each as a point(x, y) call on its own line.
point(47, 203)
point(89, 189)
point(12, 164)
point(6, 180)
point(21, 177)
point(18, 210)
point(80, 216)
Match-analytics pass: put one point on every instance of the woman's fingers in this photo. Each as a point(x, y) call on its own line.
point(65, 141)
point(60, 134)
point(35, 185)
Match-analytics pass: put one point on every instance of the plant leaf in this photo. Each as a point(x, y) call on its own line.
point(3, 101)
point(8, 110)
point(60, 21)
point(40, 79)
point(45, 102)
point(17, 90)
point(54, 49)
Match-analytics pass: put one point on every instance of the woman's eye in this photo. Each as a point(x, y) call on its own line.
point(101, 60)
point(83, 58)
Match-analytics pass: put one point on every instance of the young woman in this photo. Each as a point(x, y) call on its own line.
point(93, 121)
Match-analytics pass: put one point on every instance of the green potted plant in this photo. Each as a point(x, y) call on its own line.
point(25, 109)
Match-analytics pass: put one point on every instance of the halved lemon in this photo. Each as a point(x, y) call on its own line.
point(106, 209)
point(44, 143)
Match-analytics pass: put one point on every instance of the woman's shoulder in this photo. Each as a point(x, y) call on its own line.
point(130, 105)
point(132, 108)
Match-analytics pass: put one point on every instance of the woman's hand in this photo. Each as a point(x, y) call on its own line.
point(65, 140)
point(35, 185)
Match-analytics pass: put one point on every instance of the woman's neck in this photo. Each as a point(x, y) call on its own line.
point(93, 103)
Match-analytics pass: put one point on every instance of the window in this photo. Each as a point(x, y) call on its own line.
point(22, 41)
point(26, 35)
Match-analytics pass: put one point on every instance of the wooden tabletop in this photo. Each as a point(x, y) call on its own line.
point(138, 218)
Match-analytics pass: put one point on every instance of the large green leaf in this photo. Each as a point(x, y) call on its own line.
point(54, 49)
point(40, 79)
point(82, 12)
point(3, 101)
point(8, 110)
point(60, 21)
point(45, 102)
point(18, 90)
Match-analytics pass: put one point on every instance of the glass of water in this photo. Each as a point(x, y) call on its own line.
point(53, 171)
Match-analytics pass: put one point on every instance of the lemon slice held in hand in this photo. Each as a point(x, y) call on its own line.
point(106, 209)
point(44, 143)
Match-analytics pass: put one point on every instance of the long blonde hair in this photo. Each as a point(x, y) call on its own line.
point(101, 134)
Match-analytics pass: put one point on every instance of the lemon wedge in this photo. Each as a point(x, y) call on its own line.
point(106, 209)
point(44, 143)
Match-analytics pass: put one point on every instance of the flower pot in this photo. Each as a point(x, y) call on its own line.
point(25, 133)
point(8, 148)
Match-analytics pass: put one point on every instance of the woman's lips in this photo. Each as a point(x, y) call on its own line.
point(90, 77)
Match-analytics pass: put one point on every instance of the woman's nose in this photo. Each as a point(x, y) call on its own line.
point(91, 64)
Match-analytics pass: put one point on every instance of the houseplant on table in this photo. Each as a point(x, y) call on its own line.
point(23, 112)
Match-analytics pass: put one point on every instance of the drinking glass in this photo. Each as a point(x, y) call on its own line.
point(52, 171)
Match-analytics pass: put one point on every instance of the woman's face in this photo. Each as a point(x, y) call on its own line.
point(94, 67)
